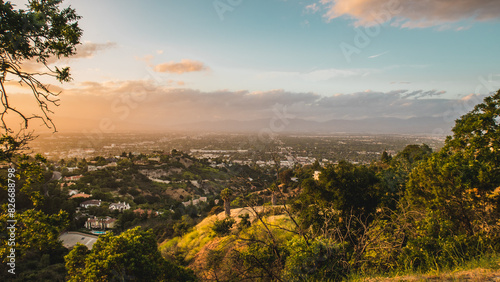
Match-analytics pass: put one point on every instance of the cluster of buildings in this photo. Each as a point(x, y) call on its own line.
point(101, 167)
point(108, 222)
point(195, 201)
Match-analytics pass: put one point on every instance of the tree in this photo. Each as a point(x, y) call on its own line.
point(226, 196)
point(415, 153)
point(223, 227)
point(461, 178)
point(285, 176)
point(29, 39)
point(274, 191)
point(385, 158)
point(351, 188)
point(132, 255)
point(75, 260)
point(395, 170)
point(38, 249)
point(36, 232)
point(476, 135)
point(455, 191)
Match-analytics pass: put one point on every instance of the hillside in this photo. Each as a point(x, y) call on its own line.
point(202, 248)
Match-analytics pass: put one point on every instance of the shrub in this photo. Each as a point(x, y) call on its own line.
point(223, 227)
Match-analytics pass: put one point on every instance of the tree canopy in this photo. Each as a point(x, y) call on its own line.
point(132, 255)
point(30, 40)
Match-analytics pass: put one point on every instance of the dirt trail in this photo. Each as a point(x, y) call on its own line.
point(478, 274)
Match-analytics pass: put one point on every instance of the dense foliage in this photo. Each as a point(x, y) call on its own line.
point(132, 255)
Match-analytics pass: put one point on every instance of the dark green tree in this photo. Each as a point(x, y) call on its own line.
point(461, 178)
point(37, 246)
point(415, 153)
point(395, 176)
point(132, 255)
point(385, 158)
point(351, 189)
point(455, 192)
point(343, 190)
point(223, 227)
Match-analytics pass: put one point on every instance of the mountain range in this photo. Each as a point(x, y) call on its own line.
point(381, 125)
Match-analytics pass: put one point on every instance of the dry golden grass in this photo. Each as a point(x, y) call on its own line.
point(476, 275)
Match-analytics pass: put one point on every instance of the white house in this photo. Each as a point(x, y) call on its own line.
point(316, 175)
point(73, 192)
point(90, 203)
point(195, 201)
point(71, 169)
point(119, 206)
point(100, 223)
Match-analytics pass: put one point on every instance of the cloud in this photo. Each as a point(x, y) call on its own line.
point(421, 94)
point(156, 106)
point(319, 74)
point(88, 49)
point(378, 55)
point(147, 59)
point(313, 8)
point(412, 14)
point(85, 50)
point(182, 67)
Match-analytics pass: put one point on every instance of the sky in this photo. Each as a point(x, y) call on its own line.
point(160, 63)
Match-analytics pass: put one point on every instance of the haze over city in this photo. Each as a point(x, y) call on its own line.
point(160, 65)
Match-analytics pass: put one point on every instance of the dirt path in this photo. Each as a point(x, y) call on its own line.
point(478, 274)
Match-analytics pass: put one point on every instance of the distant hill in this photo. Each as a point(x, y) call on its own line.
point(420, 125)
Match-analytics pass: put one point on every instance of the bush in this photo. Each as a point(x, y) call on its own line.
point(245, 221)
point(223, 227)
point(216, 210)
point(320, 261)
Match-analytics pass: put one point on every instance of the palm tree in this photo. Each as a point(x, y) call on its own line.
point(226, 196)
point(274, 191)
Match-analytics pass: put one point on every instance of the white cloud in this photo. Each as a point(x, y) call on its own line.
point(181, 67)
point(413, 14)
point(378, 55)
point(313, 8)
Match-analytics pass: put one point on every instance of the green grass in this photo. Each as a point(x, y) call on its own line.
point(192, 242)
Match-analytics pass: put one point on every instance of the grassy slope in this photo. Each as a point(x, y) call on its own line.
point(192, 242)
point(195, 244)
